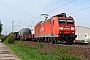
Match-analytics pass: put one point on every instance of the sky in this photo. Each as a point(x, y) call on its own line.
point(27, 13)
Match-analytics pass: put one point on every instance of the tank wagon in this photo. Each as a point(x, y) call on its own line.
point(57, 29)
point(24, 33)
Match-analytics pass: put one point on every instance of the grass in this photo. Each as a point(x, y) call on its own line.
point(28, 53)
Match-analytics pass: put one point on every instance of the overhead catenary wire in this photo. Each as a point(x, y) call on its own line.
point(47, 8)
point(52, 10)
point(42, 11)
point(58, 7)
point(79, 10)
point(61, 6)
point(78, 5)
point(50, 6)
point(74, 11)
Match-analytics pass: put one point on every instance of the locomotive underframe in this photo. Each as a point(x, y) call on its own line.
point(63, 38)
point(68, 38)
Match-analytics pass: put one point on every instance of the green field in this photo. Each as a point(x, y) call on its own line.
point(28, 53)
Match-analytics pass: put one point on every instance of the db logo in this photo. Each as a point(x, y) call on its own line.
point(41, 29)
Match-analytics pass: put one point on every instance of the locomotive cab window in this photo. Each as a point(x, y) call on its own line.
point(62, 21)
point(66, 22)
point(70, 22)
point(53, 22)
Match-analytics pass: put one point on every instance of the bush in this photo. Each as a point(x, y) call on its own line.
point(10, 39)
point(38, 46)
point(1, 39)
point(21, 43)
point(21, 39)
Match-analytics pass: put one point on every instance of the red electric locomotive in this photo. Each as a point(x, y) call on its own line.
point(58, 29)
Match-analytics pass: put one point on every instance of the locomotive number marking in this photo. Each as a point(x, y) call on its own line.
point(66, 28)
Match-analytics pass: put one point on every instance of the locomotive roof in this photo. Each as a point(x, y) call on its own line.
point(43, 21)
point(58, 15)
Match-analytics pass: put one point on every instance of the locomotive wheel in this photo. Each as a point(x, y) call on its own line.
point(56, 41)
point(69, 42)
point(38, 40)
point(52, 41)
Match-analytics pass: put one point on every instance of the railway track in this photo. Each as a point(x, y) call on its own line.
point(80, 45)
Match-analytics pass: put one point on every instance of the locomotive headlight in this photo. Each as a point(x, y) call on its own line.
point(60, 32)
point(72, 28)
point(61, 28)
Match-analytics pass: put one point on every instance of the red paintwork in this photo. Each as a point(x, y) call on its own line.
point(47, 27)
point(28, 36)
point(67, 30)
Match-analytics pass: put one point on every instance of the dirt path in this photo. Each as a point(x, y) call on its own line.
point(6, 53)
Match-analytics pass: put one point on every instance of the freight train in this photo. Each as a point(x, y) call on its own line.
point(58, 29)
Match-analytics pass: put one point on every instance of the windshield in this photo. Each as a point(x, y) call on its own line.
point(62, 22)
point(69, 21)
point(66, 22)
